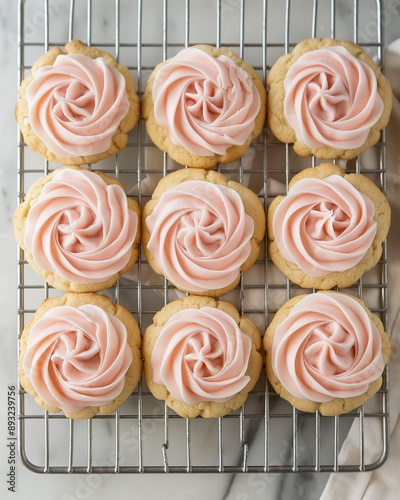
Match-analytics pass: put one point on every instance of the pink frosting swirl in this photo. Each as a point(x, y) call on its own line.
point(326, 348)
point(208, 104)
point(200, 235)
point(81, 228)
point(201, 355)
point(331, 99)
point(324, 225)
point(76, 105)
point(77, 357)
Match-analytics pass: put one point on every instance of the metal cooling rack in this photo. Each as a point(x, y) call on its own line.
point(267, 434)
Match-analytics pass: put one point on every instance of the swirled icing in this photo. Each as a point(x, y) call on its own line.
point(326, 348)
point(76, 105)
point(324, 225)
point(200, 235)
point(81, 228)
point(201, 355)
point(331, 99)
point(77, 357)
point(207, 103)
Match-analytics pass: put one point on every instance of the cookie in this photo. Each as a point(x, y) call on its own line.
point(201, 357)
point(328, 98)
point(204, 106)
point(329, 228)
point(78, 229)
point(201, 230)
point(78, 105)
point(80, 354)
point(326, 352)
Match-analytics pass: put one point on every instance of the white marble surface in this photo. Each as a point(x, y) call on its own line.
point(182, 486)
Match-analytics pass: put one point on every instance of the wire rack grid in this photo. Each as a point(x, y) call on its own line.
point(266, 434)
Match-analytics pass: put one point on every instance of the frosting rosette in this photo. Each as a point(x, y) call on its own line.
point(75, 105)
point(331, 99)
point(201, 355)
point(207, 103)
point(77, 357)
point(200, 235)
point(327, 347)
point(324, 225)
point(80, 227)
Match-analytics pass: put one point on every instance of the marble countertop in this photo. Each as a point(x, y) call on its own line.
point(144, 486)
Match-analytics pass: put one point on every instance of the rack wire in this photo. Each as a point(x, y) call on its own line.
point(266, 434)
